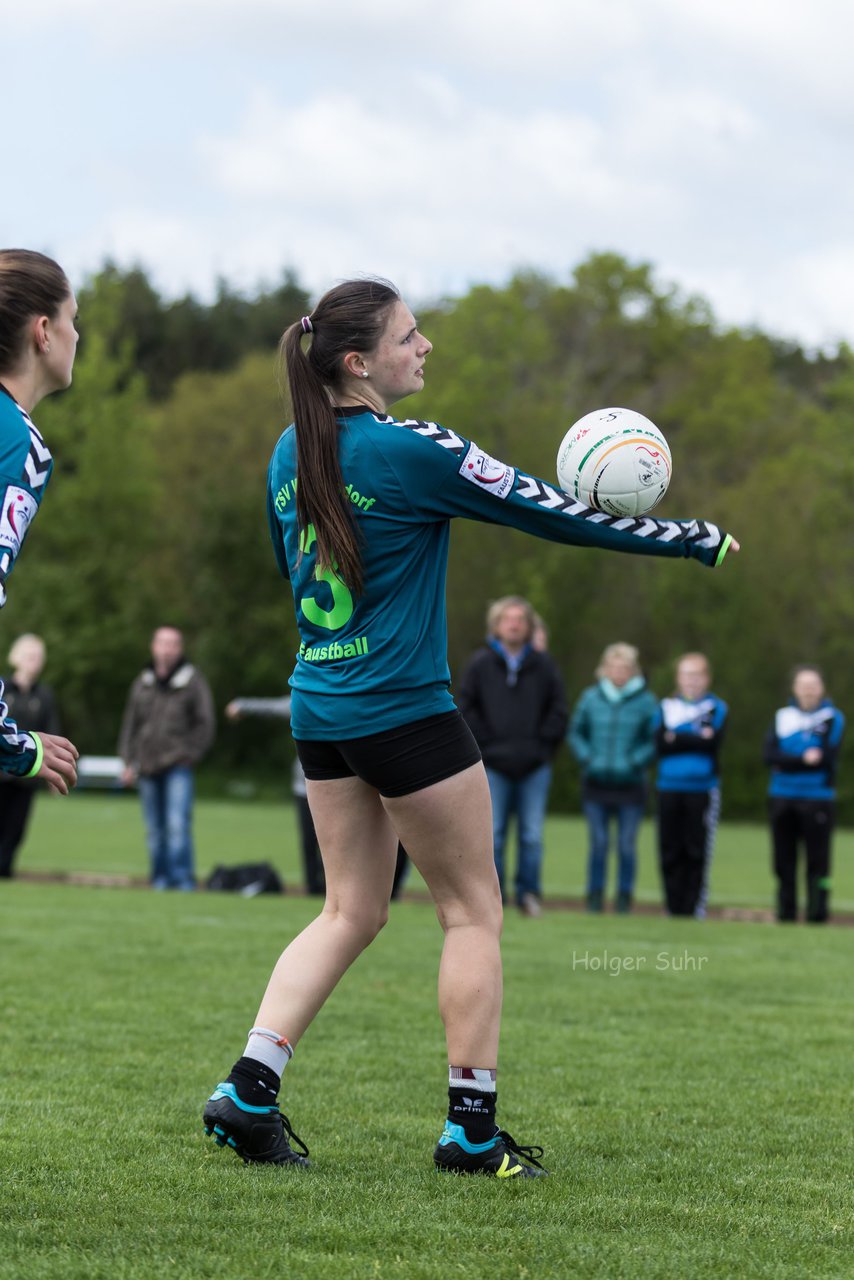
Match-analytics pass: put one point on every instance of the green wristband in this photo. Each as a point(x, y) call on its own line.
point(724, 549)
point(39, 756)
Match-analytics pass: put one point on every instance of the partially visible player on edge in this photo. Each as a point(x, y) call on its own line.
point(363, 537)
point(38, 341)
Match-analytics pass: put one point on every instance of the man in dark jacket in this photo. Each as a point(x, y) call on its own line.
point(514, 700)
point(168, 726)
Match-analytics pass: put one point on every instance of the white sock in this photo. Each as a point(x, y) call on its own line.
point(270, 1048)
point(480, 1079)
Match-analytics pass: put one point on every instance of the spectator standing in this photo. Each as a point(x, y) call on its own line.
point(612, 735)
point(540, 635)
point(690, 728)
point(513, 698)
point(802, 747)
point(168, 726)
point(32, 703)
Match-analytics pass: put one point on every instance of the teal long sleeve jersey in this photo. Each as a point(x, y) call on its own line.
point(373, 662)
point(25, 468)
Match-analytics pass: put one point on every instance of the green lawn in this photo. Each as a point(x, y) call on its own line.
point(103, 834)
point(690, 1083)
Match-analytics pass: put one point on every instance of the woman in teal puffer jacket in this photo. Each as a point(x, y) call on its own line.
point(612, 735)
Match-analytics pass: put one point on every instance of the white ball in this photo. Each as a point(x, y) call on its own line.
point(615, 460)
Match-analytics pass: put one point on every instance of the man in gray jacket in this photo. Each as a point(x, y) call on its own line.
point(167, 727)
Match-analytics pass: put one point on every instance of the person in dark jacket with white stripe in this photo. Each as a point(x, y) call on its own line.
point(513, 698)
point(802, 747)
point(688, 737)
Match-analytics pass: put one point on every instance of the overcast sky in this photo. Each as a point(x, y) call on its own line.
point(441, 144)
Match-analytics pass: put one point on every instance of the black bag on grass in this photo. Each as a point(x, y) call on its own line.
point(248, 879)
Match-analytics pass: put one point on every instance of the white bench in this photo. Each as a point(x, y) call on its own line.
point(99, 771)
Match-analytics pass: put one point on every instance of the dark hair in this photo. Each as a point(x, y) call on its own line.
point(30, 285)
point(350, 317)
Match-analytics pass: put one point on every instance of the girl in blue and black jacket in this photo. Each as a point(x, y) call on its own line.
point(802, 747)
point(688, 737)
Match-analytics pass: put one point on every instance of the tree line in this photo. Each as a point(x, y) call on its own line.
point(156, 509)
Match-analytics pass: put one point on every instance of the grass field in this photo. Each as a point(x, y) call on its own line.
point(102, 835)
point(690, 1083)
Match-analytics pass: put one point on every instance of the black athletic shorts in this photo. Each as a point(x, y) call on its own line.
point(398, 761)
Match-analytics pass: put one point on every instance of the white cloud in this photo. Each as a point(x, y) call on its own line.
point(459, 162)
point(469, 31)
point(824, 280)
point(450, 144)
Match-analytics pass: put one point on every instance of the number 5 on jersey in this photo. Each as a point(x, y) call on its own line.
point(342, 601)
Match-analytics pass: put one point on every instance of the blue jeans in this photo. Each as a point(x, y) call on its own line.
point(628, 818)
point(167, 808)
point(527, 798)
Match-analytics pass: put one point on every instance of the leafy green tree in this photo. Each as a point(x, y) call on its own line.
point(217, 575)
point(169, 339)
point(156, 512)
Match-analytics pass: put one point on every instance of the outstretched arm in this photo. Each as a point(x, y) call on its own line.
point(468, 482)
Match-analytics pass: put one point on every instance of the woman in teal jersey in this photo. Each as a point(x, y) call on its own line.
point(359, 506)
point(38, 341)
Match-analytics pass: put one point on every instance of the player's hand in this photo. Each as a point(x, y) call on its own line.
point(812, 755)
point(232, 711)
point(128, 778)
point(734, 546)
point(59, 763)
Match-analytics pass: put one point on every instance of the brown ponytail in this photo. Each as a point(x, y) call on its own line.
point(30, 285)
point(350, 317)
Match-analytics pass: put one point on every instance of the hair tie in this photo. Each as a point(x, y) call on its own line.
point(307, 326)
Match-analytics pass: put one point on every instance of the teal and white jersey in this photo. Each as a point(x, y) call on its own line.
point(370, 663)
point(25, 467)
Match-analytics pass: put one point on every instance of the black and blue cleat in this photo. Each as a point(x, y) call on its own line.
point(259, 1135)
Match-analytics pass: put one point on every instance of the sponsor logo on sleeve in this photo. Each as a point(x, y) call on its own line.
point(486, 472)
point(19, 508)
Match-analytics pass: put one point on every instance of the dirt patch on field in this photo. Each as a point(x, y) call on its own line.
point(742, 915)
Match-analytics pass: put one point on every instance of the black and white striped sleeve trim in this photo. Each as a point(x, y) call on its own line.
point(432, 431)
point(37, 463)
point(700, 533)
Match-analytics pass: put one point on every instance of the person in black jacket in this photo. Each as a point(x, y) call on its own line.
point(31, 703)
point(514, 701)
